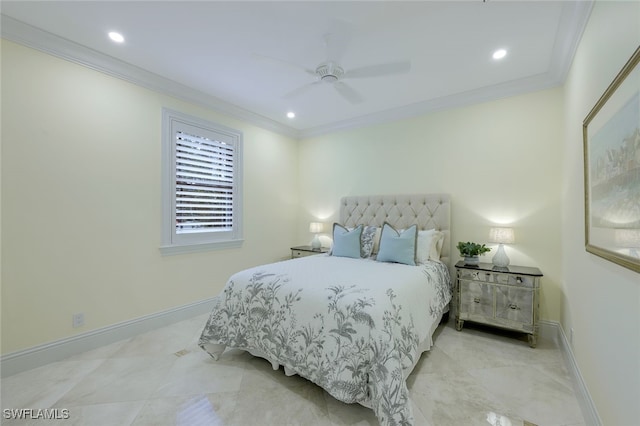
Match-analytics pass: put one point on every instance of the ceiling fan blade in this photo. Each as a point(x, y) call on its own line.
point(379, 70)
point(300, 90)
point(285, 63)
point(337, 39)
point(348, 93)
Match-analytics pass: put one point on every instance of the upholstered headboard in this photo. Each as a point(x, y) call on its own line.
point(428, 211)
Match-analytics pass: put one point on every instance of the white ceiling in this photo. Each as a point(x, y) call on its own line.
point(243, 57)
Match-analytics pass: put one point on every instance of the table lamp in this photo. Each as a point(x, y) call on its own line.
point(315, 227)
point(501, 236)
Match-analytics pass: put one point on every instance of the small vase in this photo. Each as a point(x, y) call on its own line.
point(472, 260)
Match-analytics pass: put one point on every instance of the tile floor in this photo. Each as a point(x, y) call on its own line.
point(474, 377)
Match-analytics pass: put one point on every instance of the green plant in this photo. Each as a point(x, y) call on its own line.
point(469, 249)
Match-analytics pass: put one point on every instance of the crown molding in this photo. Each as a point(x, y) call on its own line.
point(41, 40)
point(458, 100)
point(573, 21)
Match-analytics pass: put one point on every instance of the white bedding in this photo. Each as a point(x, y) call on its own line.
point(355, 327)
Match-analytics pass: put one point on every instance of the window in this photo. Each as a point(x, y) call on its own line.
point(202, 185)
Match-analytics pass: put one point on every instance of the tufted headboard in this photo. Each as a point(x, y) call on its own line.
point(428, 211)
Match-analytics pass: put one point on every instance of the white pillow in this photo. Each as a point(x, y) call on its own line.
point(429, 245)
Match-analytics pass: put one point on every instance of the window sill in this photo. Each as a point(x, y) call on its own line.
point(170, 250)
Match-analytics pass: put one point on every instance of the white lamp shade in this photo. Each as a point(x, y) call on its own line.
point(315, 227)
point(502, 235)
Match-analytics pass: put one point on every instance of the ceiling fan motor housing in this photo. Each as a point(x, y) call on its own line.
point(329, 72)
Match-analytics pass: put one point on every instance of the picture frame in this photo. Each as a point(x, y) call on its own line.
point(611, 137)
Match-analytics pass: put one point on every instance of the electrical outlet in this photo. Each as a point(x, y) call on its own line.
point(77, 320)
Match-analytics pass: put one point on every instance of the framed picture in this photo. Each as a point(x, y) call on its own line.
point(611, 135)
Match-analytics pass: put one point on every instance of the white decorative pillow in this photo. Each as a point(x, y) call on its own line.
point(398, 247)
point(429, 245)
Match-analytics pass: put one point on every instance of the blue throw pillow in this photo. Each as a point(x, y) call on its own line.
point(398, 247)
point(346, 243)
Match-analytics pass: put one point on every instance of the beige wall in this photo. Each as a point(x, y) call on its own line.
point(81, 209)
point(499, 161)
point(602, 302)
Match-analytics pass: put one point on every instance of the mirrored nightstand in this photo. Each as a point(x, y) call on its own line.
point(502, 297)
point(302, 251)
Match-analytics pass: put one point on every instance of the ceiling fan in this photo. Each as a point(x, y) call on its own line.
point(330, 73)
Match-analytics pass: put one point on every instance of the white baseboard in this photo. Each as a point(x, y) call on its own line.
point(553, 330)
point(37, 356)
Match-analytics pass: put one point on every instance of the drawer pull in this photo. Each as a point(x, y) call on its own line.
point(514, 307)
point(476, 300)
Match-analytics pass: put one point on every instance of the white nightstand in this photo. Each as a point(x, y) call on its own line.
point(502, 297)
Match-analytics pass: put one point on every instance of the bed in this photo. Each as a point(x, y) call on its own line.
point(353, 323)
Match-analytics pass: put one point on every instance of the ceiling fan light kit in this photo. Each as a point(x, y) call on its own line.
point(329, 72)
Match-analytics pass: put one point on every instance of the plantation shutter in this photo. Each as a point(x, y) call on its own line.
point(204, 184)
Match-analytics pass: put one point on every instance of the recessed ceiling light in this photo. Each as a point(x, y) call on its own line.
point(499, 54)
point(291, 114)
point(117, 37)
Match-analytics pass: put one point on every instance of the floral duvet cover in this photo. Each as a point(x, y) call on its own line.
point(355, 327)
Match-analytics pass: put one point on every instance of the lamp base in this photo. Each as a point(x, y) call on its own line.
point(500, 259)
point(315, 243)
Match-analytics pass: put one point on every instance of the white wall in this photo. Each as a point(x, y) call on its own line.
point(499, 161)
point(602, 302)
point(81, 208)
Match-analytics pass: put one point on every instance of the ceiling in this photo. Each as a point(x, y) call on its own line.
point(246, 58)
